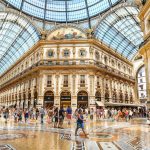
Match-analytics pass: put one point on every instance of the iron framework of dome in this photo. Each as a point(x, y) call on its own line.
point(62, 10)
point(17, 35)
point(120, 30)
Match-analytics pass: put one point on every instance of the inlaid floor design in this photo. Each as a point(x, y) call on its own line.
point(103, 135)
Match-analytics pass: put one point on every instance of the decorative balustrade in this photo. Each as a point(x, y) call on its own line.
point(71, 63)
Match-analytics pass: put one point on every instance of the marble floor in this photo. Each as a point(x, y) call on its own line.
point(103, 135)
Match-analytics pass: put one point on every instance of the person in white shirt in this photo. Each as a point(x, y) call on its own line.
point(130, 114)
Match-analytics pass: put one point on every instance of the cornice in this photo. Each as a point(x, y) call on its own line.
point(59, 42)
point(39, 70)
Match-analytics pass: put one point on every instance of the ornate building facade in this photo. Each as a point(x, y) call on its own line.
point(68, 67)
point(144, 16)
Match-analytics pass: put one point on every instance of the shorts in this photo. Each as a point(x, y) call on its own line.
point(61, 119)
point(69, 116)
point(80, 125)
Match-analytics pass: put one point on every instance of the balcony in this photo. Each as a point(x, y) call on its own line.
point(82, 84)
point(65, 85)
point(73, 63)
point(49, 85)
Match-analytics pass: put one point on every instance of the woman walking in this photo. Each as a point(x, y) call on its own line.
point(80, 122)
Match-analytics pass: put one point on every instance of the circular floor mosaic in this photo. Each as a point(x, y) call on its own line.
point(11, 136)
point(99, 136)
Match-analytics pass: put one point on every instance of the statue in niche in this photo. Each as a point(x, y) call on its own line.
point(89, 33)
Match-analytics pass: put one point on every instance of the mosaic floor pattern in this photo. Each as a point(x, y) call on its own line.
point(103, 135)
point(6, 147)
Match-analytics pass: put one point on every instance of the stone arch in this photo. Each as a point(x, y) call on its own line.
point(65, 98)
point(49, 99)
point(82, 99)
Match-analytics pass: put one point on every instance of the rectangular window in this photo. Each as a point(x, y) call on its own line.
point(49, 81)
point(141, 86)
point(65, 80)
point(141, 80)
point(66, 53)
point(82, 80)
point(142, 95)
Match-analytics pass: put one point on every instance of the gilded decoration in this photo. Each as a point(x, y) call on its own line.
point(68, 33)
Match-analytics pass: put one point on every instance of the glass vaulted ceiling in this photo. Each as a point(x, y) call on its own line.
point(17, 35)
point(121, 31)
point(63, 10)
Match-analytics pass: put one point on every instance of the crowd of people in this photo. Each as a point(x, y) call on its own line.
point(56, 116)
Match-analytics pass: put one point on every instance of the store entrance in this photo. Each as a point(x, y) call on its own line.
point(82, 100)
point(65, 99)
point(48, 99)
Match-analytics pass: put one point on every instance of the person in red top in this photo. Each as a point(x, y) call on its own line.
point(69, 113)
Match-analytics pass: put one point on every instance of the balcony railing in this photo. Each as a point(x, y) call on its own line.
point(65, 85)
point(82, 84)
point(71, 63)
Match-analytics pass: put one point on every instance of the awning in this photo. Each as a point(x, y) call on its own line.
point(123, 104)
point(99, 103)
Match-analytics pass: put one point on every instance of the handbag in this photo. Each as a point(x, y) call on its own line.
point(53, 119)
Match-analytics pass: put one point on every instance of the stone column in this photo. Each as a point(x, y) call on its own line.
point(91, 93)
point(40, 100)
point(110, 89)
point(58, 52)
point(103, 89)
point(57, 96)
point(91, 51)
point(74, 96)
point(74, 54)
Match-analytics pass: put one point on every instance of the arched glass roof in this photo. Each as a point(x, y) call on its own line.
point(17, 35)
point(63, 10)
point(120, 30)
